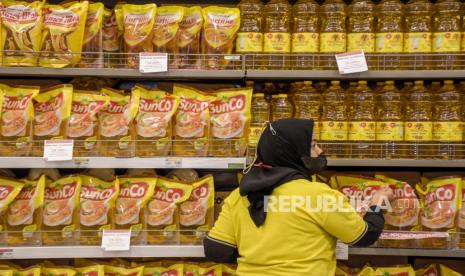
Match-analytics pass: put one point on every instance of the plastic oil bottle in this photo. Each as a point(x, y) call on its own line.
point(332, 32)
point(268, 90)
point(390, 33)
point(446, 34)
point(418, 36)
point(350, 91)
point(305, 34)
point(260, 115)
point(277, 34)
point(362, 122)
point(281, 108)
point(447, 126)
point(334, 126)
point(361, 28)
point(321, 86)
point(307, 103)
point(418, 122)
point(390, 122)
point(250, 36)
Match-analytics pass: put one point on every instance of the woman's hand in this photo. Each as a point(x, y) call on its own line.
point(382, 196)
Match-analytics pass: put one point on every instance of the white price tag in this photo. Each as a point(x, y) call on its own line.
point(58, 150)
point(342, 251)
point(153, 62)
point(116, 240)
point(351, 62)
point(6, 253)
point(173, 163)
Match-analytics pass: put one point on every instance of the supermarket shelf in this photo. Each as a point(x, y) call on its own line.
point(347, 162)
point(119, 73)
point(332, 74)
point(137, 251)
point(449, 253)
point(136, 162)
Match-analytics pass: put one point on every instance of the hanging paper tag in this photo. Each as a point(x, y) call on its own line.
point(58, 150)
point(342, 251)
point(116, 240)
point(153, 62)
point(351, 62)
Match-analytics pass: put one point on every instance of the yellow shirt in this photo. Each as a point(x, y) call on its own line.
point(294, 242)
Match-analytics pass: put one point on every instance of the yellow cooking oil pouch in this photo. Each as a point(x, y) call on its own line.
point(16, 120)
point(227, 270)
point(116, 123)
point(137, 22)
point(58, 271)
point(191, 269)
point(162, 211)
point(189, 38)
point(367, 271)
point(211, 271)
point(230, 120)
point(154, 122)
point(97, 204)
point(166, 30)
point(135, 192)
point(30, 271)
point(60, 214)
point(83, 123)
point(21, 29)
point(6, 271)
point(93, 37)
point(110, 41)
point(122, 271)
point(192, 122)
point(9, 190)
point(403, 270)
point(93, 270)
point(340, 179)
point(63, 34)
point(52, 109)
point(24, 216)
point(196, 213)
point(175, 269)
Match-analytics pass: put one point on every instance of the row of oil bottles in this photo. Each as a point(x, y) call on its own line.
point(414, 122)
point(390, 27)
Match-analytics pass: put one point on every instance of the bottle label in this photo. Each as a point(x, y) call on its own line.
point(362, 131)
point(254, 135)
point(418, 131)
point(448, 131)
point(463, 42)
point(334, 131)
point(389, 42)
point(390, 131)
point(361, 41)
point(249, 43)
point(417, 43)
point(332, 42)
point(305, 43)
point(277, 43)
point(317, 130)
point(446, 42)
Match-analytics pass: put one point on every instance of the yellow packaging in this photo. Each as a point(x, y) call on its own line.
point(154, 122)
point(58, 271)
point(389, 131)
point(189, 38)
point(196, 213)
point(361, 42)
point(138, 22)
point(173, 270)
point(417, 43)
point(162, 211)
point(17, 117)
point(94, 270)
point(395, 271)
point(60, 216)
point(135, 192)
point(192, 122)
point(97, 205)
point(215, 270)
point(93, 37)
point(6, 272)
point(82, 125)
point(305, 42)
point(153, 270)
point(462, 218)
point(9, 189)
point(334, 131)
point(30, 271)
point(389, 42)
point(192, 270)
point(367, 271)
point(332, 42)
point(436, 270)
point(446, 42)
point(52, 108)
point(24, 216)
point(63, 34)
point(249, 42)
point(340, 272)
point(219, 32)
point(166, 31)
point(110, 40)
point(21, 28)
point(448, 131)
point(362, 131)
point(116, 126)
point(230, 120)
point(277, 43)
point(418, 131)
point(121, 271)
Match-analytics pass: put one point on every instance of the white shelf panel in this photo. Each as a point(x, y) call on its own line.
point(333, 74)
point(444, 253)
point(347, 162)
point(135, 162)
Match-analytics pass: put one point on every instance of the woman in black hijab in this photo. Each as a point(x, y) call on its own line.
point(266, 238)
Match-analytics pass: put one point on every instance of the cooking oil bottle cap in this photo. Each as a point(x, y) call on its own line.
point(308, 82)
point(362, 82)
point(268, 83)
point(258, 95)
point(249, 83)
point(448, 82)
point(274, 96)
point(282, 95)
point(419, 82)
point(335, 82)
point(390, 82)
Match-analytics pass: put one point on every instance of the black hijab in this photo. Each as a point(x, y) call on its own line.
point(280, 150)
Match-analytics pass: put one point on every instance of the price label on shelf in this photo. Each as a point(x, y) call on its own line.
point(153, 62)
point(342, 251)
point(173, 163)
point(116, 240)
point(351, 62)
point(6, 253)
point(58, 150)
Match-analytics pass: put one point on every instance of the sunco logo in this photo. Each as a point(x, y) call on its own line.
point(81, 108)
point(64, 192)
point(91, 193)
point(14, 103)
point(115, 108)
point(26, 193)
point(354, 192)
point(52, 105)
point(405, 191)
point(201, 192)
point(444, 193)
point(195, 106)
point(168, 195)
point(134, 190)
point(19, 14)
point(163, 105)
point(236, 103)
point(5, 191)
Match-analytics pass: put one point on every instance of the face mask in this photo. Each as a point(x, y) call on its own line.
point(315, 164)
